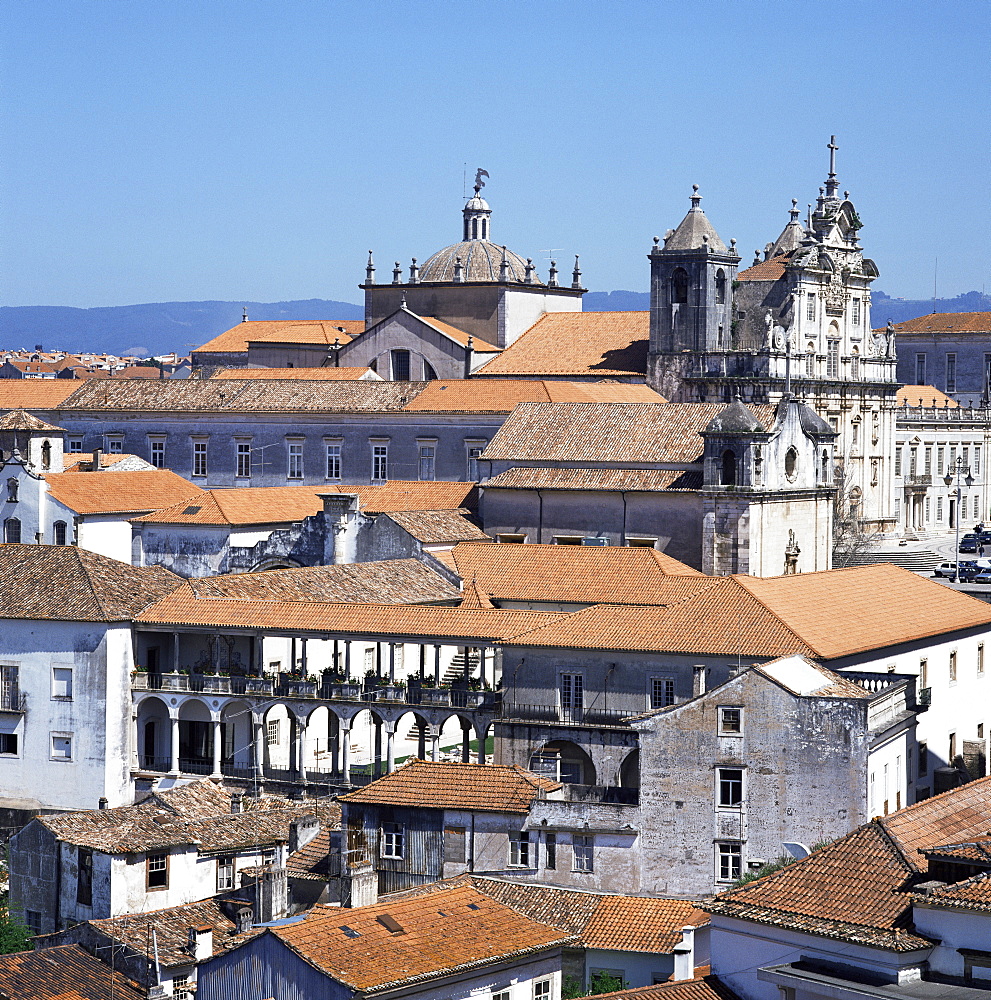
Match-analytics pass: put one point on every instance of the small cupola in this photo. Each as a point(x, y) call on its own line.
point(477, 213)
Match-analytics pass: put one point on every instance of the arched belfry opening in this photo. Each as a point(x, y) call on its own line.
point(728, 471)
point(679, 285)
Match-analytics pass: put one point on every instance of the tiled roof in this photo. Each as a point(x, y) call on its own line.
point(235, 340)
point(21, 420)
point(31, 366)
point(636, 433)
point(804, 677)
point(281, 504)
point(611, 922)
point(856, 889)
point(120, 492)
point(82, 461)
point(766, 270)
point(306, 374)
point(199, 813)
point(434, 785)
point(241, 396)
point(978, 849)
point(972, 894)
point(65, 583)
point(171, 926)
point(600, 344)
point(183, 608)
point(436, 526)
point(701, 988)
point(480, 395)
point(612, 480)
point(439, 934)
point(388, 581)
point(968, 322)
point(63, 973)
point(923, 395)
point(139, 371)
point(579, 573)
point(312, 861)
point(459, 336)
point(34, 393)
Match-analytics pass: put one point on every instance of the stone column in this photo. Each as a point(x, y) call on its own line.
point(437, 665)
point(347, 659)
point(175, 652)
point(392, 663)
point(217, 746)
point(346, 751)
point(390, 749)
point(465, 741)
point(480, 756)
point(174, 746)
point(300, 750)
point(259, 749)
point(435, 743)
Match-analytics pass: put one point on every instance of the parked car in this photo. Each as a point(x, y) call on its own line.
point(983, 577)
point(946, 569)
point(968, 545)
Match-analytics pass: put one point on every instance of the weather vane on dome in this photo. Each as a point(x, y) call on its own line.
point(479, 183)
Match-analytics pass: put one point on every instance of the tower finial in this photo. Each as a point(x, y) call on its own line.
point(794, 210)
point(244, 315)
point(370, 270)
point(832, 185)
point(696, 197)
point(479, 183)
point(576, 276)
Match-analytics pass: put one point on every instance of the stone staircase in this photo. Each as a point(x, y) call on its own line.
point(916, 560)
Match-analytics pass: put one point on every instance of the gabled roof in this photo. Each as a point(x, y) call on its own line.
point(34, 393)
point(701, 988)
point(581, 573)
point(472, 787)
point(389, 581)
point(458, 336)
point(21, 420)
point(502, 395)
point(120, 492)
point(65, 583)
point(432, 527)
point(856, 889)
point(435, 935)
point(610, 480)
point(924, 395)
point(598, 344)
point(328, 374)
point(66, 972)
point(312, 862)
point(947, 322)
point(635, 433)
point(235, 340)
point(82, 461)
point(767, 270)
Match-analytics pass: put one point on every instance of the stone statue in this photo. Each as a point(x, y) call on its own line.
point(479, 183)
point(792, 552)
point(890, 336)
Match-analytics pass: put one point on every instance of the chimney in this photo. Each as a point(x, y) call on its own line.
point(271, 896)
point(684, 955)
point(302, 831)
point(200, 942)
point(237, 802)
point(103, 802)
point(698, 679)
point(359, 885)
point(97, 456)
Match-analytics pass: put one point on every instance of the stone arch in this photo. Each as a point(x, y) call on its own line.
point(412, 736)
point(629, 770)
point(154, 734)
point(564, 761)
point(12, 530)
point(196, 734)
point(275, 562)
point(727, 472)
point(679, 285)
point(720, 286)
point(237, 734)
point(791, 464)
point(323, 740)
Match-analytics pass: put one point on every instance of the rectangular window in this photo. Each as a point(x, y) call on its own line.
point(730, 721)
point(976, 468)
point(426, 462)
point(519, 850)
point(10, 687)
point(920, 369)
point(855, 312)
point(511, 539)
point(333, 461)
point(810, 307)
point(33, 920)
point(923, 673)
point(542, 989)
point(940, 457)
point(730, 790)
point(225, 874)
point(728, 862)
point(951, 373)
point(158, 454)
point(953, 667)
point(75, 445)
point(199, 458)
point(61, 746)
point(927, 508)
point(474, 454)
point(661, 692)
point(953, 747)
point(502, 995)
point(833, 359)
point(157, 869)
point(550, 851)
point(243, 470)
point(84, 877)
point(295, 469)
point(62, 683)
point(182, 988)
point(8, 744)
point(583, 849)
point(115, 445)
point(392, 840)
point(272, 733)
point(400, 366)
point(913, 461)
point(380, 462)
point(572, 697)
point(965, 457)
point(939, 508)
point(980, 658)
point(454, 845)
point(898, 461)
point(928, 467)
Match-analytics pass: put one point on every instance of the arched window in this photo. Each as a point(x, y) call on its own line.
point(791, 463)
point(824, 475)
point(855, 365)
point(474, 229)
point(485, 229)
point(428, 371)
point(728, 477)
point(720, 287)
point(12, 530)
point(11, 490)
point(810, 360)
point(46, 455)
point(58, 530)
point(679, 285)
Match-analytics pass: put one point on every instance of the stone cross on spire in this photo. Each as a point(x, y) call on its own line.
point(832, 185)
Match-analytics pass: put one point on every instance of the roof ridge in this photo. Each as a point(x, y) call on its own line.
point(738, 578)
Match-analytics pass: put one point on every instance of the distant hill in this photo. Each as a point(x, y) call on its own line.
point(159, 327)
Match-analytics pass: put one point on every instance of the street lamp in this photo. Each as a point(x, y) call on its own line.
point(955, 472)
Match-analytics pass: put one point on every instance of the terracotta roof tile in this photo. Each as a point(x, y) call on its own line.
point(34, 393)
point(598, 344)
point(441, 933)
point(120, 492)
point(63, 973)
point(21, 420)
point(235, 340)
point(388, 581)
point(924, 395)
point(436, 526)
point(481, 395)
point(574, 573)
point(310, 374)
point(967, 322)
point(612, 480)
point(65, 583)
point(434, 785)
point(766, 270)
point(972, 894)
point(460, 336)
point(635, 433)
point(82, 461)
point(702, 988)
point(312, 861)
point(404, 495)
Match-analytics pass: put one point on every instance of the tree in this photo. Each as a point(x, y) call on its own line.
point(14, 935)
point(852, 538)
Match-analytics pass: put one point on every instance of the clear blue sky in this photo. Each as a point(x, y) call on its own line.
point(255, 150)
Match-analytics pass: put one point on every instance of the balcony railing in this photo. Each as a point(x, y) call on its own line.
point(925, 479)
point(591, 716)
point(13, 700)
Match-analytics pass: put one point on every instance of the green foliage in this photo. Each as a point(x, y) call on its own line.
point(571, 988)
point(14, 934)
point(601, 982)
point(772, 866)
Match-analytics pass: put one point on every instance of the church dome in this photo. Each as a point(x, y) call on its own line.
point(481, 260)
point(735, 419)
